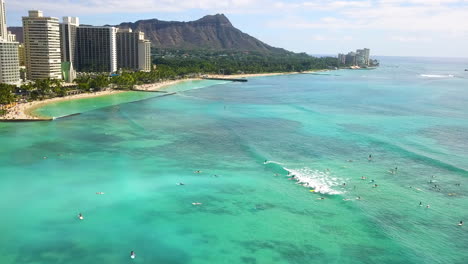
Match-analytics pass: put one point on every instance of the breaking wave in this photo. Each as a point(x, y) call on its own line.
point(321, 182)
point(437, 76)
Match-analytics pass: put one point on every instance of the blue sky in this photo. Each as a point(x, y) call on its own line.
point(433, 28)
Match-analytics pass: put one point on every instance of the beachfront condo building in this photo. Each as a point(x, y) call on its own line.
point(362, 57)
point(42, 46)
point(68, 31)
point(96, 49)
point(144, 55)
point(359, 58)
point(9, 63)
point(133, 51)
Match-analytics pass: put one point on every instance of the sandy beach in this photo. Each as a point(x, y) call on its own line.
point(24, 111)
point(160, 85)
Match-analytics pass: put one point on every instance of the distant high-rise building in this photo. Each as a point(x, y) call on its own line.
point(42, 46)
point(133, 51)
point(3, 26)
point(367, 56)
point(362, 57)
point(11, 37)
point(144, 55)
point(351, 58)
point(21, 55)
point(68, 31)
point(341, 58)
point(96, 49)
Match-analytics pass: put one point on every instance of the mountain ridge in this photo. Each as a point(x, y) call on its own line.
point(209, 32)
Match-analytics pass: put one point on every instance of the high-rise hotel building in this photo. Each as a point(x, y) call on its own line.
point(9, 63)
point(68, 31)
point(96, 49)
point(42, 46)
point(9, 59)
point(3, 26)
point(133, 51)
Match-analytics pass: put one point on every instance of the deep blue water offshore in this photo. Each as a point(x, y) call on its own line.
point(410, 113)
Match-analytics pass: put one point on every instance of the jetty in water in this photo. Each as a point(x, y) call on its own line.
point(225, 79)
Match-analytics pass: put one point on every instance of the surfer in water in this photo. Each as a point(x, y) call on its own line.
point(420, 203)
point(461, 223)
point(265, 162)
point(198, 172)
point(80, 216)
point(363, 178)
point(181, 183)
point(132, 254)
point(370, 157)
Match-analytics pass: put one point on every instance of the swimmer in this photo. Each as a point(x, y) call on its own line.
point(132, 254)
point(461, 223)
point(80, 216)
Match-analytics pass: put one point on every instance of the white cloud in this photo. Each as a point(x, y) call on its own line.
point(324, 21)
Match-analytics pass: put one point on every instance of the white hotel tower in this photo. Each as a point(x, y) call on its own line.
point(42, 46)
point(9, 59)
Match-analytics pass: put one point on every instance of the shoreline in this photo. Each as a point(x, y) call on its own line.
point(160, 85)
point(25, 111)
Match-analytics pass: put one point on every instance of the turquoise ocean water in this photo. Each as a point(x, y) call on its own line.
point(410, 113)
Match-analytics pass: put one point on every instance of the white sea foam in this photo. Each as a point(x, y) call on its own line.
point(321, 182)
point(437, 76)
point(272, 161)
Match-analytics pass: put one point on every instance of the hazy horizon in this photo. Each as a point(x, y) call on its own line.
point(417, 28)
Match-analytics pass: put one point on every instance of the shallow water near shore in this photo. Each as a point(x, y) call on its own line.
point(409, 114)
